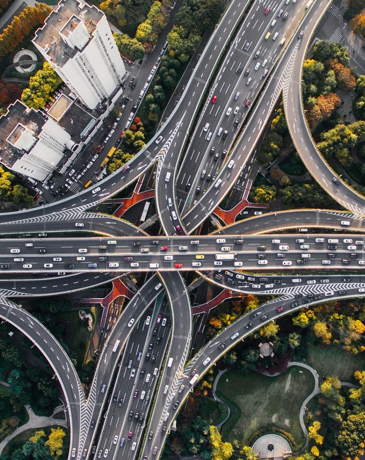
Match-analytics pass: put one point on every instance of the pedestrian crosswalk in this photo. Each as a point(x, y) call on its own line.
point(335, 11)
point(337, 36)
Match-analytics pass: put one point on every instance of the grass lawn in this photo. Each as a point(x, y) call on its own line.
point(257, 401)
point(213, 411)
point(333, 360)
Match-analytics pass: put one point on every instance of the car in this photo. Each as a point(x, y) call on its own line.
point(164, 321)
point(287, 262)
point(120, 402)
point(14, 251)
point(237, 95)
point(128, 259)
point(5, 266)
point(248, 103)
point(236, 110)
point(70, 265)
point(155, 450)
point(214, 98)
point(135, 394)
point(206, 127)
point(249, 325)
point(163, 248)
point(106, 451)
point(115, 440)
point(73, 452)
point(130, 435)
point(229, 111)
point(247, 71)
point(301, 34)
point(122, 441)
point(176, 405)
point(178, 229)
point(216, 156)
point(158, 140)
point(125, 169)
point(247, 46)
point(131, 322)
point(346, 280)
point(264, 317)
point(159, 317)
point(57, 259)
point(82, 250)
point(27, 266)
point(239, 69)
point(267, 11)
point(262, 262)
point(280, 309)
point(285, 16)
point(100, 453)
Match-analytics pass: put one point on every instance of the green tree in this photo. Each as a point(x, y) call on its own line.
point(263, 194)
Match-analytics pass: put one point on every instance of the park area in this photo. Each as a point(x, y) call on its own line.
point(258, 402)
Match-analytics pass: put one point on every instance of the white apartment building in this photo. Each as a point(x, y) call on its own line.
point(31, 143)
point(77, 41)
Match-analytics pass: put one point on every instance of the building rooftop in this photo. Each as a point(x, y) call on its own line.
point(65, 29)
point(74, 118)
point(19, 129)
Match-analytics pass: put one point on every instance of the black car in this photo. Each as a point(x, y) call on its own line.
point(4, 266)
point(136, 243)
point(247, 71)
point(150, 346)
point(264, 317)
point(176, 405)
point(120, 403)
point(331, 255)
point(148, 356)
point(158, 340)
point(238, 242)
point(150, 436)
point(294, 304)
point(239, 70)
point(154, 333)
point(342, 292)
point(261, 256)
point(345, 261)
point(155, 242)
point(42, 250)
point(332, 247)
point(153, 359)
point(115, 398)
point(70, 265)
point(222, 346)
point(230, 281)
point(102, 259)
point(236, 122)
point(249, 325)
point(130, 416)
point(141, 374)
point(300, 261)
point(346, 280)
point(92, 424)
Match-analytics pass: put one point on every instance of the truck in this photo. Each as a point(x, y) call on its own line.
point(229, 256)
point(116, 345)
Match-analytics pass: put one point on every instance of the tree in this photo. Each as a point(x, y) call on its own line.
point(55, 441)
point(313, 433)
point(129, 47)
point(44, 82)
point(294, 339)
point(270, 330)
point(248, 453)
point(358, 24)
point(321, 330)
point(263, 194)
point(220, 450)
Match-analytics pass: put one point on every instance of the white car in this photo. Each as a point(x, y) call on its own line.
point(221, 240)
point(164, 321)
point(57, 259)
point(283, 247)
point(262, 262)
point(348, 240)
point(206, 127)
point(287, 262)
point(236, 110)
point(27, 266)
point(115, 440)
point(14, 251)
point(82, 250)
point(48, 265)
point(352, 247)
point(113, 264)
point(217, 262)
point(131, 322)
point(106, 453)
point(148, 320)
point(79, 224)
point(96, 190)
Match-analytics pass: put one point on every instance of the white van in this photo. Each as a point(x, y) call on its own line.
point(167, 177)
point(345, 223)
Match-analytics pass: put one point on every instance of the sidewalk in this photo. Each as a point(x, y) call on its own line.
point(35, 422)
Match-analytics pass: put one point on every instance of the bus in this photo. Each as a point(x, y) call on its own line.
point(171, 360)
point(87, 184)
point(108, 157)
point(145, 211)
point(116, 345)
point(194, 379)
point(229, 256)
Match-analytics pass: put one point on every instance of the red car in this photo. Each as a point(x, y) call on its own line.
point(128, 259)
point(179, 229)
point(159, 317)
point(214, 98)
point(163, 248)
point(267, 11)
point(178, 265)
point(248, 103)
point(125, 168)
point(280, 309)
point(121, 134)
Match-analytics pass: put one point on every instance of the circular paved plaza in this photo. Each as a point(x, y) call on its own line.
point(271, 446)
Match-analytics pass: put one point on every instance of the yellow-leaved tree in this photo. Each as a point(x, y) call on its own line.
point(55, 441)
